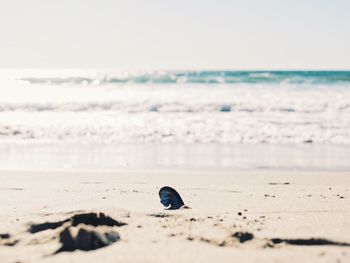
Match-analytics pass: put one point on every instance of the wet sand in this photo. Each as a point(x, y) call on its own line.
point(271, 216)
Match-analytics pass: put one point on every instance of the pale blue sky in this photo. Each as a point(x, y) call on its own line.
point(175, 34)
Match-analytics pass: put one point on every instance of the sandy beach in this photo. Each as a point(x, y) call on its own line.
point(175, 131)
point(250, 216)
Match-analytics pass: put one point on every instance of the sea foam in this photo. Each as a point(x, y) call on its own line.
point(181, 107)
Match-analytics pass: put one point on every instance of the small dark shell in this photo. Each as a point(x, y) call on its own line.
point(170, 198)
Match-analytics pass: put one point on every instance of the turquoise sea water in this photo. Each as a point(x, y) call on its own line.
point(205, 77)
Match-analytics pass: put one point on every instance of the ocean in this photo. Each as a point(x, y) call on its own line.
point(224, 107)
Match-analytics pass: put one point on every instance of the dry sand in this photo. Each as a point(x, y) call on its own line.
point(265, 216)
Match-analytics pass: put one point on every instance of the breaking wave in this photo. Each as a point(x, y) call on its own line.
point(189, 106)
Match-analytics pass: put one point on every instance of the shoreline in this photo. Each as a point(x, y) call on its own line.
point(178, 156)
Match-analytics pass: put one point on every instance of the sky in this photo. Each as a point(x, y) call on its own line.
point(175, 34)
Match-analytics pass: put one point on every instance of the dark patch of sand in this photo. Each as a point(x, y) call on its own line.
point(243, 236)
point(5, 236)
point(86, 239)
point(12, 189)
point(93, 219)
point(309, 242)
point(5, 240)
point(160, 215)
point(273, 183)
